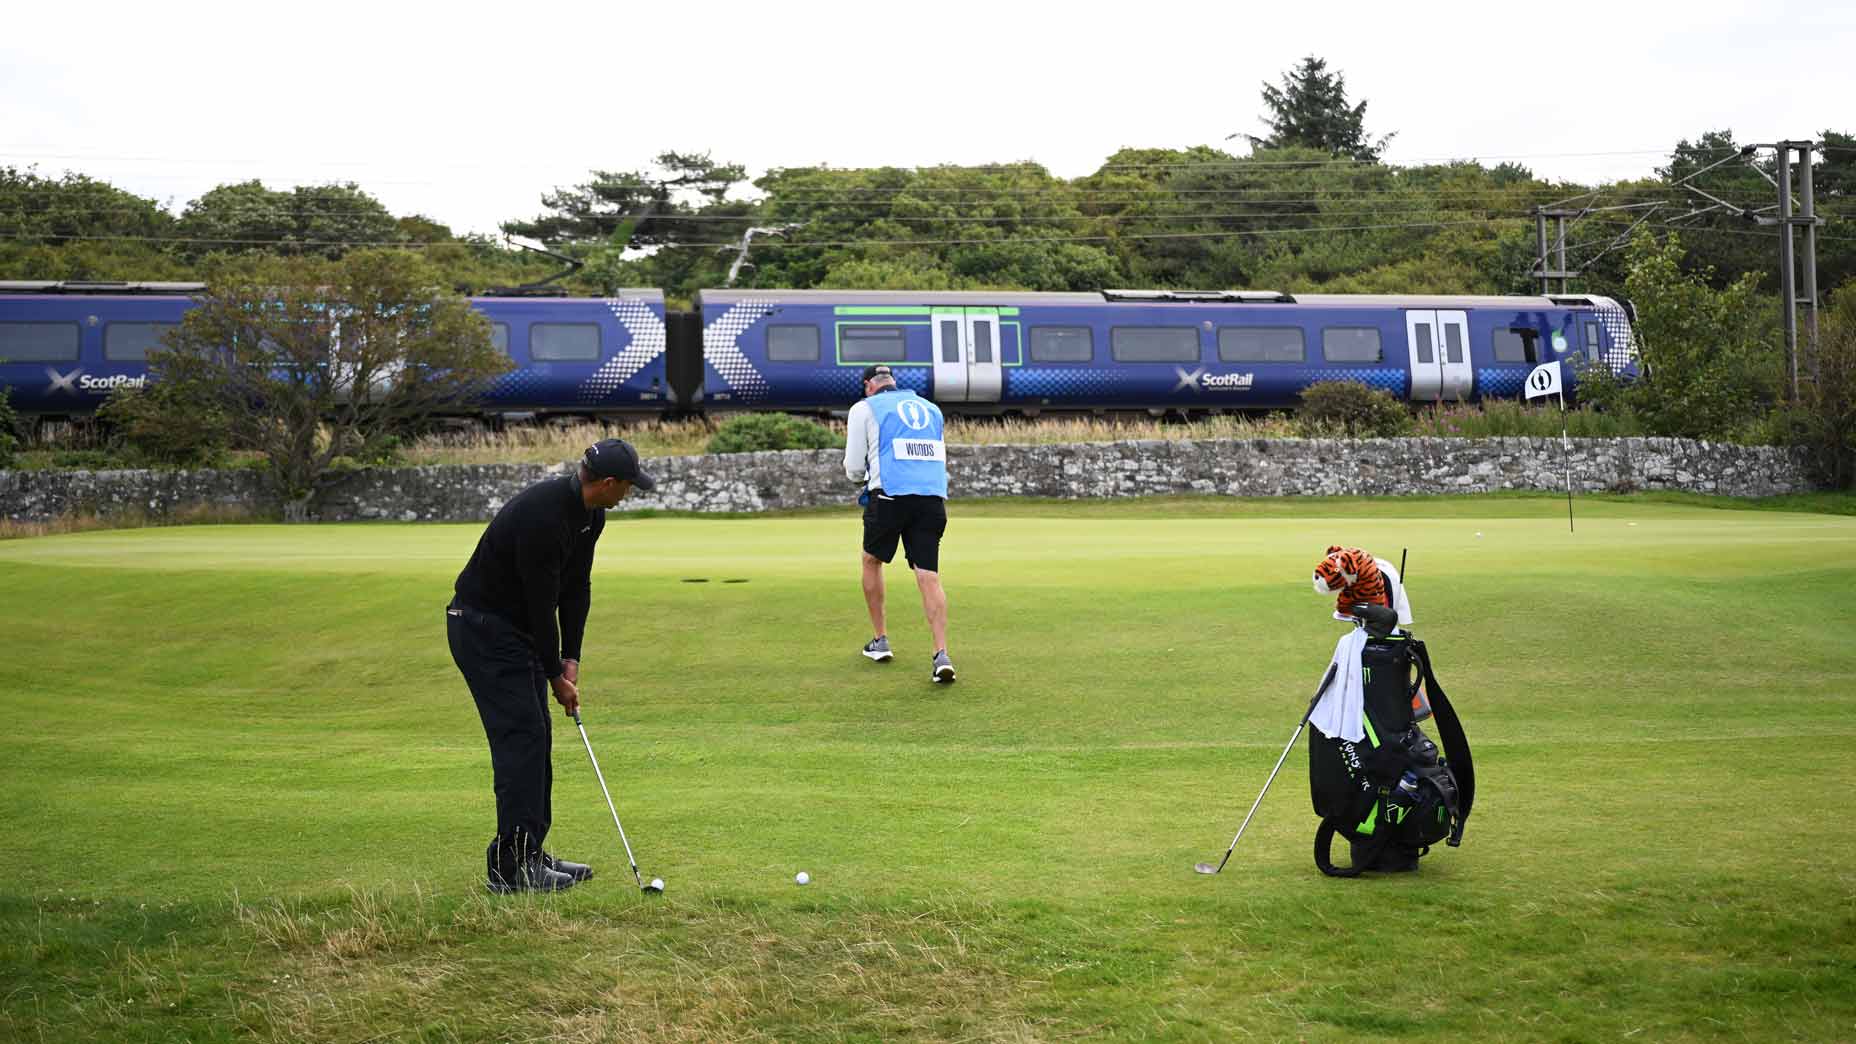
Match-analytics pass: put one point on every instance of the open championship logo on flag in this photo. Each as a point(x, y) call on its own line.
point(1543, 380)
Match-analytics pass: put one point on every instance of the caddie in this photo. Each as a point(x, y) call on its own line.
point(894, 446)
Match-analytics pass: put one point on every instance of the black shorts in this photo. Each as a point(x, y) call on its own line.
point(918, 521)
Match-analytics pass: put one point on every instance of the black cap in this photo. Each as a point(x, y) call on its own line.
point(879, 370)
point(615, 458)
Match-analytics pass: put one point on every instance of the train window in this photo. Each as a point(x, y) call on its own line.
point(1426, 353)
point(871, 344)
point(499, 337)
point(1261, 344)
point(950, 340)
point(570, 342)
point(1515, 344)
point(1062, 344)
point(38, 342)
point(792, 343)
point(1593, 347)
point(1154, 343)
point(1453, 343)
point(131, 342)
point(1350, 344)
point(982, 342)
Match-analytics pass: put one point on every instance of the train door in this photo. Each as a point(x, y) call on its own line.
point(1421, 341)
point(966, 355)
point(1453, 349)
point(1438, 343)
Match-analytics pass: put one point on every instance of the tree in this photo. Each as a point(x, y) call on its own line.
point(1713, 368)
point(1310, 110)
point(643, 205)
point(1825, 420)
point(309, 361)
point(75, 208)
point(328, 220)
point(1719, 233)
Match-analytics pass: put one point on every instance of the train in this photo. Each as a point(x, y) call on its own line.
point(64, 346)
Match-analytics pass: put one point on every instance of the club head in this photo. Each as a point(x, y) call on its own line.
point(1205, 868)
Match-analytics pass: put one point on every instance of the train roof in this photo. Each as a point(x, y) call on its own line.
point(94, 286)
point(1258, 298)
point(106, 288)
point(634, 293)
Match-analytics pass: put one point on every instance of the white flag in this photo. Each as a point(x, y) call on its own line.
point(1544, 380)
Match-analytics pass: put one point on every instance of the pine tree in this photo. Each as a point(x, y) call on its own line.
point(1310, 110)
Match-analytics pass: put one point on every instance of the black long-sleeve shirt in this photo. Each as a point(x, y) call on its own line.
point(535, 557)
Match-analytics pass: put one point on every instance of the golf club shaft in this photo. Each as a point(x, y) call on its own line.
point(597, 774)
point(1326, 680)
point(1266, 789)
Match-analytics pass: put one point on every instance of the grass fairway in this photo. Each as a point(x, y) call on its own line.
point(250, 793)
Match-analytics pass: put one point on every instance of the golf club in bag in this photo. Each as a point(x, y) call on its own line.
point(1326, 680)
point(656, 887)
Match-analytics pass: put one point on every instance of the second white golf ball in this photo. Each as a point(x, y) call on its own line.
point(802, 878)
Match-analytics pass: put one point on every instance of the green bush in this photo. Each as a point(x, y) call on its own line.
point(89, 460)
point(164, 425)
point(1350, 410)
point(9, 426)
point(755, 432)
point(1824, 421)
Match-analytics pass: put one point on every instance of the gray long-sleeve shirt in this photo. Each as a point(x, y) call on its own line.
point(860, 448)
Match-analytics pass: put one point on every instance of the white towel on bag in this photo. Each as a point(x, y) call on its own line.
point(1341, 714)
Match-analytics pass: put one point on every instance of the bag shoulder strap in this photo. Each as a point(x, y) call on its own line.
point(1455, 744)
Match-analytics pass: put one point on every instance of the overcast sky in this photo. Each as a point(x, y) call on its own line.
point(468, 113)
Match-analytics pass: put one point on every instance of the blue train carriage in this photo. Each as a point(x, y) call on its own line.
point(1141, 349)
point(805, 349)
point(580, 354)
point(65, 345)
point(1222, 350)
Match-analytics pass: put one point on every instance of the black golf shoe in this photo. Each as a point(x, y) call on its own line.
point(523, 874)
point(578, 871)
point(531, 876)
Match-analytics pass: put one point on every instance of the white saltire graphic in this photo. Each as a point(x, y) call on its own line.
point(647, 343)
point(720, 350)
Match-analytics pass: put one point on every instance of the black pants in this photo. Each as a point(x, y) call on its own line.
point(512, 699)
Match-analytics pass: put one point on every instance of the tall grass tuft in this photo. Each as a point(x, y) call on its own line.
point(1505, 419)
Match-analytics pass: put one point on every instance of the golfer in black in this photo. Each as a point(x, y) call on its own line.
point(534, 560)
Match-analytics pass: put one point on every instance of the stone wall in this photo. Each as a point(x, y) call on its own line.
point(804, 478)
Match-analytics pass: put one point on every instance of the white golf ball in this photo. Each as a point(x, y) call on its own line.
point(657, 883)
point(802, 878)
point(1478, 536)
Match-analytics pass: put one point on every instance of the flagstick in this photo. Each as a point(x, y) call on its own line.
point(1566, 455)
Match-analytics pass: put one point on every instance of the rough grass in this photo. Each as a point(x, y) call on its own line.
point(256, 808)
point(550, 443)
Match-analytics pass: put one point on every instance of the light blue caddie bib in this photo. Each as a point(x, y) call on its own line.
point(911, 456)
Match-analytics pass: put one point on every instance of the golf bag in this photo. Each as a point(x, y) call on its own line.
point(1391, 795)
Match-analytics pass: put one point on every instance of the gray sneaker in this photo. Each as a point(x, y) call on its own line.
point(943, 668)
point(878, 649)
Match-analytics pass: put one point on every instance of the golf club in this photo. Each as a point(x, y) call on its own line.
point(1207, 868)
point(656, 887)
